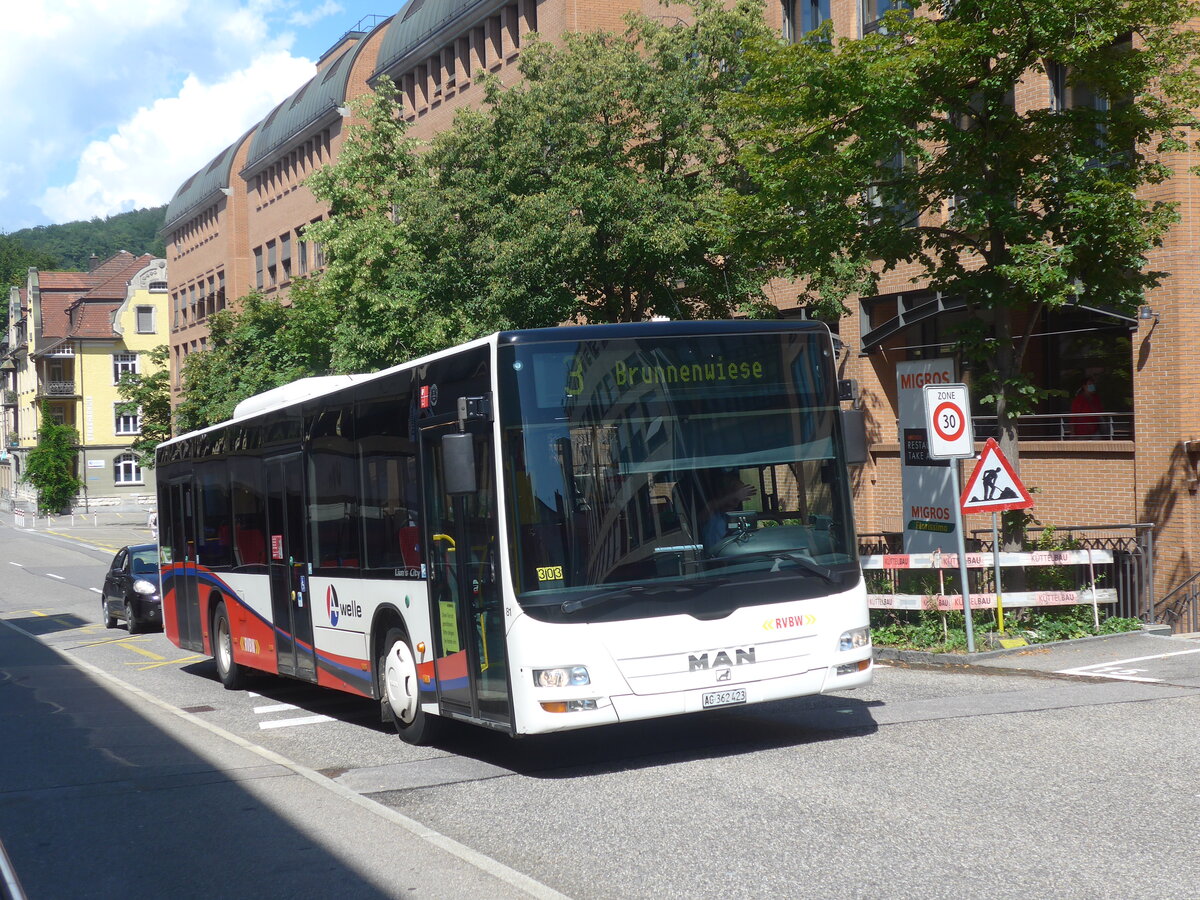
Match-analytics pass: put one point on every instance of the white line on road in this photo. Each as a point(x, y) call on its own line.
point(278, 707)
point(96, 590)
point(17, 564)
point(1117, 668)
point(287, 723)
point(52, 575)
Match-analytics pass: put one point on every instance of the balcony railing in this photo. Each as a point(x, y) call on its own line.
point(58, 388)
point(1101, 426)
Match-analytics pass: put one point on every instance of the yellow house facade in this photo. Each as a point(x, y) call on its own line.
point(74, 335)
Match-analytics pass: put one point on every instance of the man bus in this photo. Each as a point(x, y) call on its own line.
point(510, 532)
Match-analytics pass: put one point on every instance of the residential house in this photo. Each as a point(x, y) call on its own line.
point(71, 335)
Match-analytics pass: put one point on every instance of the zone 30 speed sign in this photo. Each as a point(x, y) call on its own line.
point(948, 418)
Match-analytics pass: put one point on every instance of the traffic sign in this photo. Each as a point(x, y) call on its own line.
point(948, 417)
point(994, 485)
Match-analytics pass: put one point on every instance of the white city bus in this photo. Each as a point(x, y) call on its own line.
point(536, 531)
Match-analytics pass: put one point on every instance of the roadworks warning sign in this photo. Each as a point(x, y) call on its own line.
point(994, 485)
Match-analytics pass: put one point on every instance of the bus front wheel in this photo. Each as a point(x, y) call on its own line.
point(231, 674)
point(399, 691)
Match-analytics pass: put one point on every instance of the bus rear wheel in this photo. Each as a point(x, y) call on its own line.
point(231, 674)
point(399, 691)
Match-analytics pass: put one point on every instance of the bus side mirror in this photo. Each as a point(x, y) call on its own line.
point(854, 430)
point(458, 463)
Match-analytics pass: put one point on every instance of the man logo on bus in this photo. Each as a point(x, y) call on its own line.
point(337, 608)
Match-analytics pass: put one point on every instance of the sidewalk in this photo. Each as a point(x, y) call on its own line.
point(108, 531)
point(109, 793)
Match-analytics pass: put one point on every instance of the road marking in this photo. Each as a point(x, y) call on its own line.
point(146, 667)
point(52, 575)
point(136, 649)
point(278, 707)
point(287, 723)
point(96, 590)
point(1118, 669)
point(17, 564)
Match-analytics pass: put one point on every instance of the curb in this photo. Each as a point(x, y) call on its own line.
point(927, 658)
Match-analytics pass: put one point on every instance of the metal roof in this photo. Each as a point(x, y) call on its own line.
point(317, 98)
point(417, 22)
point(203, 184)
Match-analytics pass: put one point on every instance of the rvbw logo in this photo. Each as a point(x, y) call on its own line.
point(336, 608)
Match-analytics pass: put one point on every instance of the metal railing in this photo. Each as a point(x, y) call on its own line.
point(1102, 426)
point(59, 388)
point(1131, 572)
point(1180, 608)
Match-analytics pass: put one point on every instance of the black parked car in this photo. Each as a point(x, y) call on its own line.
point(132, 590)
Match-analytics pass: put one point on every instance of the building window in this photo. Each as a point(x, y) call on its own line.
point(124, 364)
point(285, 256)
point(802, 16)
point(272, 277)
point(158, 287)
point(126, 423)
point(126, 469)
point(145, 320)
point(873, 11)
point(258, 268)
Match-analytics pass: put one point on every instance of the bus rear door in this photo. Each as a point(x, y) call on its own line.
point(180, 540)
point(468, 622)
point(287, 564)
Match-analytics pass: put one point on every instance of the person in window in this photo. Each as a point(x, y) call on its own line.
point(1085, 410)
point(726, 493)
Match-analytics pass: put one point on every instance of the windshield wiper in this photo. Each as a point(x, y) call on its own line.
point(621, 593)
point(813, 568)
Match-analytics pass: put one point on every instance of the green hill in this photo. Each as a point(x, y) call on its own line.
point(72, 244)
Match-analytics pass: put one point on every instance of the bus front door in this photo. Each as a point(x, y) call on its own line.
point(288, 568)
point(179, 539)
point(468, 621)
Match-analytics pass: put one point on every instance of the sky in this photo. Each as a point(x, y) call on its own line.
point(111, 104)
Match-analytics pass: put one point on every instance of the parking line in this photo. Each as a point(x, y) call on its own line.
point(137, 649)
point(286, 723)
point(96, 590)
point(52, 575)
point(147, 666)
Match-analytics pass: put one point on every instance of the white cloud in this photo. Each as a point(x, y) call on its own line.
point(324, 11)
point(152, 153)
point(111, 104)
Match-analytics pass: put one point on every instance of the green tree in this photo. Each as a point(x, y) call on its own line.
point(148, 395)
point(858, 147)
point(590, 190)
point(50, 467)
point(260, 345)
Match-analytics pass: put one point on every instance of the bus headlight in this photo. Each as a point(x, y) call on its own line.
point(145, 587)
point(563, 676)
point(855, 638)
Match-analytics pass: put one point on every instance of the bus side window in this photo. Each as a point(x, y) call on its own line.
point(249, 514)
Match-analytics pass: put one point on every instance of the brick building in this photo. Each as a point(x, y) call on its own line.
point(238, 225)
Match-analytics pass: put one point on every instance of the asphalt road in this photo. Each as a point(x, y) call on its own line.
point(939, 782)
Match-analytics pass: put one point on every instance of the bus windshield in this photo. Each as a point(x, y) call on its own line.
point(702, 472)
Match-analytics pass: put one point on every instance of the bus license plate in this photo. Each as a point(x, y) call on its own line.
point(723, 698)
